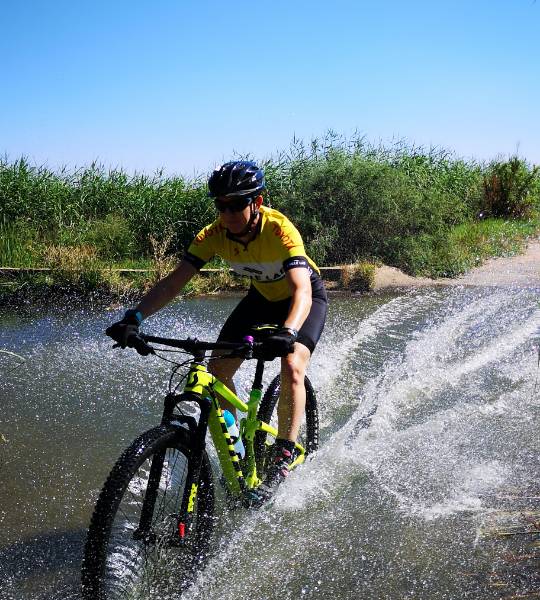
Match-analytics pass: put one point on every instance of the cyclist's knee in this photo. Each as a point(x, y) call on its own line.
point(293, 367)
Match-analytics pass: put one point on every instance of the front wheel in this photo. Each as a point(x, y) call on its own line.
point(309, 430)
point(146, 486)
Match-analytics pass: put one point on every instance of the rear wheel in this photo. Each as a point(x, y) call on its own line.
point(122, 562)
point(309, 431)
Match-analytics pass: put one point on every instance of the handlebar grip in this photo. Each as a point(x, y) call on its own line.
point(137, 343)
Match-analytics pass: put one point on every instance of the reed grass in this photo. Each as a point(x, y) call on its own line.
point(422, 210)
point(358, 277)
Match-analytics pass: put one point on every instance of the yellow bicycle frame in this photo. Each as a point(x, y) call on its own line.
point(204, 384)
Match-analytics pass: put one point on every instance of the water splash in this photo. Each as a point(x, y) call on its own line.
point(427, 410)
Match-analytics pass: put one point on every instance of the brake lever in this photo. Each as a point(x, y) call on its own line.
point(239, 353)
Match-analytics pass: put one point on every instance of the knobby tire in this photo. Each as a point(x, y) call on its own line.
point(117, 564)
point(309, 433)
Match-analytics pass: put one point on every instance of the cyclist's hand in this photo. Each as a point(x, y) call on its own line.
point(279, 343)
point(122, 330)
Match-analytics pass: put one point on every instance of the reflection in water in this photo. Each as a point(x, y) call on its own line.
point(427, 413)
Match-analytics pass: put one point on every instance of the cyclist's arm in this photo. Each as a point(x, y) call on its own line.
point(300, 285)
point(166, 289)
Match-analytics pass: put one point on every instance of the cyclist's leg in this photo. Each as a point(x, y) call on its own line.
point(292, 399)
point(290, 410)
point(239, 323)
point(224, 369)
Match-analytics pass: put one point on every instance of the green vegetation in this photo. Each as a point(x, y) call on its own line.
point(424, 211)
point(404, 206)
point(358, 277)
point(466, 245)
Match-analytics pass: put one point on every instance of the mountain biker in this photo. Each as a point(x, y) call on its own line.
point(286, 289)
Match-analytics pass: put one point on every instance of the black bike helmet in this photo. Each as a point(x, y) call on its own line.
point(236, 179)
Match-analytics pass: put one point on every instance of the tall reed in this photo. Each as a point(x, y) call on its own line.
point(350, 199)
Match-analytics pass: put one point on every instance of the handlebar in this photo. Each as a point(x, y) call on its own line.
point(244, 349)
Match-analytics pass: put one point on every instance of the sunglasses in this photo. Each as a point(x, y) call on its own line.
point(233, 205)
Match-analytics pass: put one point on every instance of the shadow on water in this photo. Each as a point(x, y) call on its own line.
point(46, 567)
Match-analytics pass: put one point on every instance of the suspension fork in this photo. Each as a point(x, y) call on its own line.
point(156, 468)
point(195, 449)
point(196, 453)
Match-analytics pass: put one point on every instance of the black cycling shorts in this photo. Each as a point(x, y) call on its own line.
point(255, 309)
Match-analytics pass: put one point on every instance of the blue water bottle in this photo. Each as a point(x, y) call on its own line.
point(232, 428)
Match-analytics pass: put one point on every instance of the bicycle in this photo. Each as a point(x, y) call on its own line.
point(155, 516)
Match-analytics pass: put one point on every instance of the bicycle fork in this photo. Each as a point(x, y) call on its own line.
point(196, 450)
point(184, 518)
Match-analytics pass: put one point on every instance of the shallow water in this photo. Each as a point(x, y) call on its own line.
point(394, 505)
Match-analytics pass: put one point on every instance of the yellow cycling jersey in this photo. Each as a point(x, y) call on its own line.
point(277, 248)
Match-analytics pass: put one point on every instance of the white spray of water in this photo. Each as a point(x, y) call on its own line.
point(454, 408)
point(430, 466)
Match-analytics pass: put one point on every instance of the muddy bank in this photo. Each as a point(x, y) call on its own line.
point(522, 270)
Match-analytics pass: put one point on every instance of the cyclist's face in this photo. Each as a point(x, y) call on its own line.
point(236, 221)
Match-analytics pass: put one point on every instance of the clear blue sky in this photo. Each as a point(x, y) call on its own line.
point(183, 84)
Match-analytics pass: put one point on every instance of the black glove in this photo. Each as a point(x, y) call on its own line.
point(122, 330)
point(279, 343)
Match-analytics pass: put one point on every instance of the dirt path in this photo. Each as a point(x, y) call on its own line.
point(522, 270)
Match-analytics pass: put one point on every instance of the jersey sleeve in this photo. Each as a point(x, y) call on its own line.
point(292, 248)
point(202, 248)
point(295, 262)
